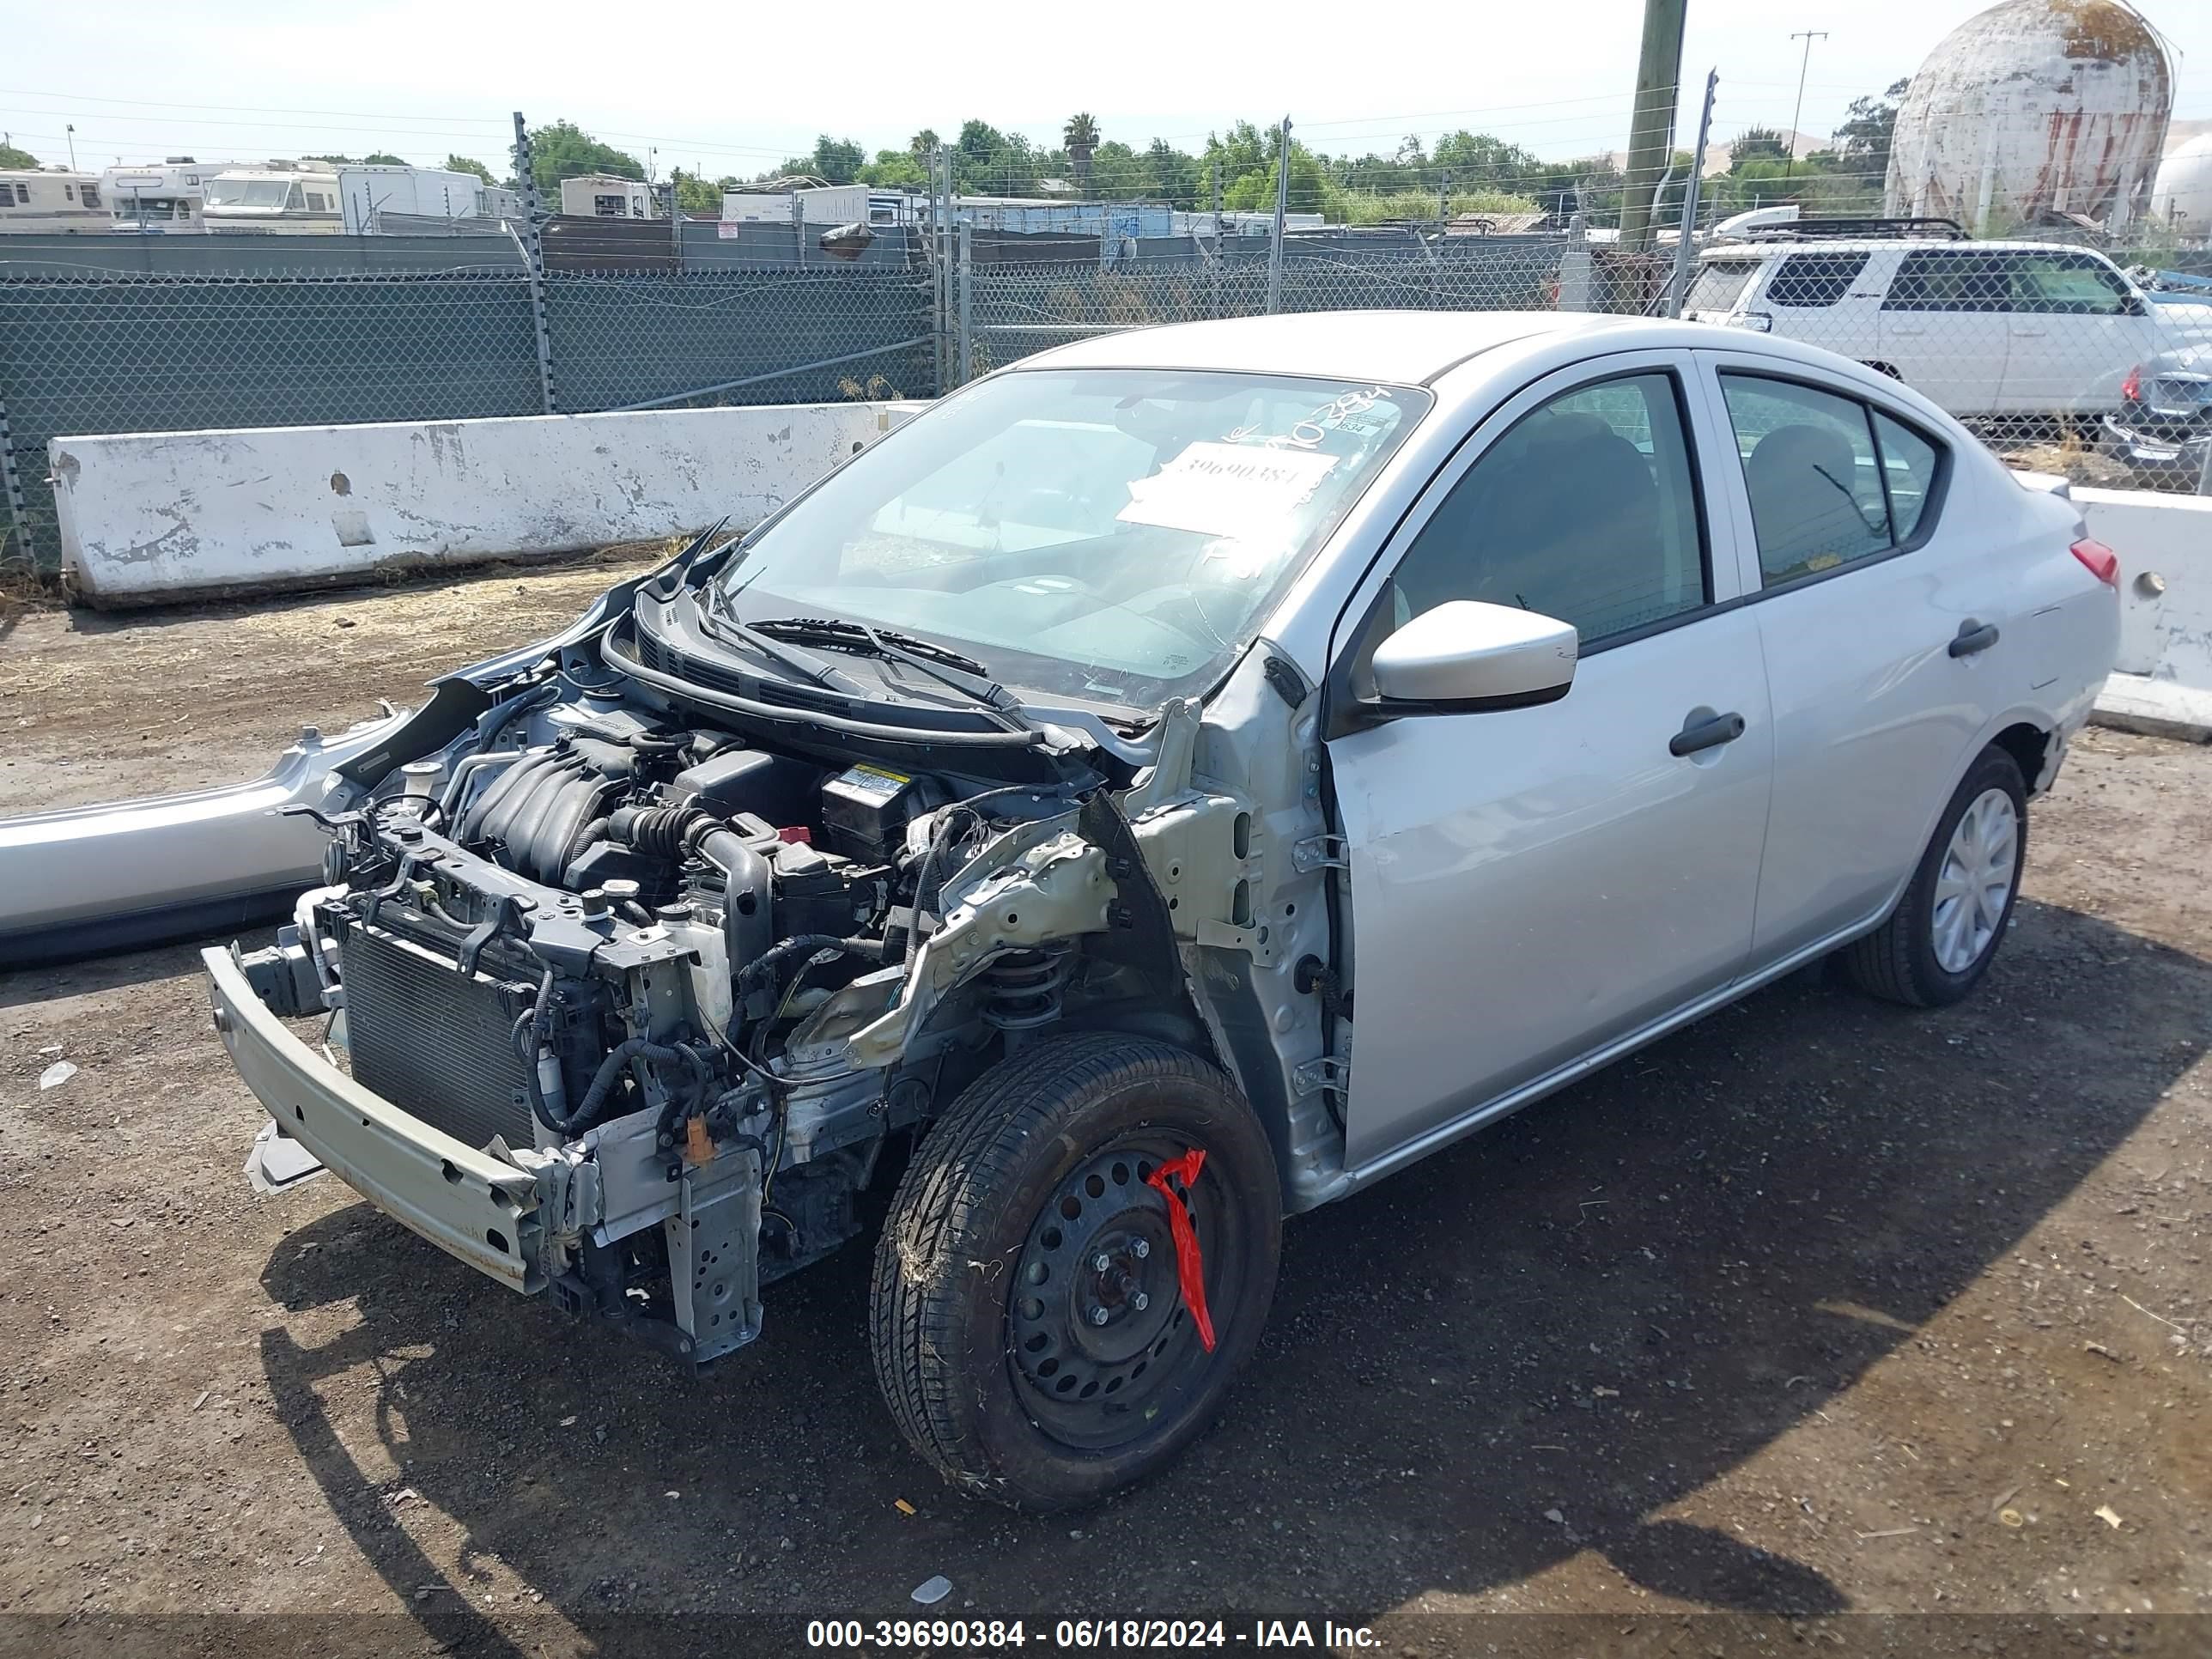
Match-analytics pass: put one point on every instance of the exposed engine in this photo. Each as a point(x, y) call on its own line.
point(606, 943)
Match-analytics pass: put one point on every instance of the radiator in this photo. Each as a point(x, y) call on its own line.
point(433, 1040)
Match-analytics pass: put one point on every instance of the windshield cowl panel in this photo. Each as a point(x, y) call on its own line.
point(1106, 538)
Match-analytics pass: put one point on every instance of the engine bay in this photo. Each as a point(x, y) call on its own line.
point(616, 945)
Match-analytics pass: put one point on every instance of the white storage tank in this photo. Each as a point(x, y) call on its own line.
point(2032, 109)
point(2182, 198)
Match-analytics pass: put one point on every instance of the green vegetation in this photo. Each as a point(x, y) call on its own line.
point(463, 164)
point(565, 150)
point(1462, 173)
point(17, 161)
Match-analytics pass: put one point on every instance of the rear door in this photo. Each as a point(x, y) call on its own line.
point(2073, 337)
point(1946, 326)
point(1530, 884)
point(1889, 635)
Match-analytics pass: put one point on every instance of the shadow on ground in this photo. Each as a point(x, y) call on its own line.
point(1724, 1231)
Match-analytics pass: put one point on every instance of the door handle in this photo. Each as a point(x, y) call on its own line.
point(1973, 636)
point(1704, 730)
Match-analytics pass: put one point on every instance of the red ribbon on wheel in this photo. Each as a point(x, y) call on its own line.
point(1190, 1267)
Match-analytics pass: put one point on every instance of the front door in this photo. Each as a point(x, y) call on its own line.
point(1529, 885)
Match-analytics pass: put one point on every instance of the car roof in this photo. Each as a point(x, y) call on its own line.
point(1407, 348)
point(1746, 252)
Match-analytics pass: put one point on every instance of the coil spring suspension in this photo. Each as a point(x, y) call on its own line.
point(1021, 989)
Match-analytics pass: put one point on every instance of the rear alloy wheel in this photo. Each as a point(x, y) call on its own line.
point(1941, 939)
point(1029, 1323)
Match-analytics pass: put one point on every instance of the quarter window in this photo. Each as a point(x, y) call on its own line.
point(1908, 470)
point(2074, 285)
point(1720, 284)
point(1815, 279)
point(1584, 510)
point(1824, 494)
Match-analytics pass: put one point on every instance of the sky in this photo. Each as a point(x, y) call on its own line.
point(722, 89)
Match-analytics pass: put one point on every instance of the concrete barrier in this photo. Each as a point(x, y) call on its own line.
point(2163, 682)
point(152, 517)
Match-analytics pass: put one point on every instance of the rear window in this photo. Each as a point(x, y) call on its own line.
point(1815, 279)
point(1720, 283)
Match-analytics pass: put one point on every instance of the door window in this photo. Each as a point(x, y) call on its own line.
point(1824, 494)
point(1584, 510)
point(1946, 279)
point(2072, 284)
point(1815, 279)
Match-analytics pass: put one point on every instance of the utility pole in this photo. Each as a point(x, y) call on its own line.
point(1651, 123)
point(1808, 36)
point(1282, 207)
point(72, 144)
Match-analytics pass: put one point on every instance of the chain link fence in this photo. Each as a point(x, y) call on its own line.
point(2051, 352)
point(146, 336)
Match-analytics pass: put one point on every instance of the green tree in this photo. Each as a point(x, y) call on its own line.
point(464, 164)
point(695, 194)
point(564, 150)
point(896, 169)
point(836, 161)
point(979, 139)
point(1863, 140)
point(1080, 139)
point(1757, 145)
point(923, 141)
point(1247, 158)
point(17, 161)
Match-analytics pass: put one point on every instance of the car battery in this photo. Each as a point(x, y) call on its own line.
point(866, 808)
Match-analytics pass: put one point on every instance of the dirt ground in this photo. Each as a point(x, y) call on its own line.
point(1825, 1317)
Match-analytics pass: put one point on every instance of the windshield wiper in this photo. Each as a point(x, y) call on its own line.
point(963, 674)
point(715, 618)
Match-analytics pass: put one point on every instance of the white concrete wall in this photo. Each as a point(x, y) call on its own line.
point(2164, 677)
point(150, 518)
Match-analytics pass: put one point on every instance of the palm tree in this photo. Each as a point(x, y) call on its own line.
point(923, 141)
point(1081, 139)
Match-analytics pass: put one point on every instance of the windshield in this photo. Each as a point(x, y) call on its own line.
point(1113, 535)
point(247, 193)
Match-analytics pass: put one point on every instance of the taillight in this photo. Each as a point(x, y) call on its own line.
point(2131, 388)
point(2101, 561)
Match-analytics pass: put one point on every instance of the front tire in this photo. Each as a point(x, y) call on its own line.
point(1940, 940)
point(1015, 1363)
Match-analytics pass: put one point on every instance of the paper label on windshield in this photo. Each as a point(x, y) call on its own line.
point(1226, 490)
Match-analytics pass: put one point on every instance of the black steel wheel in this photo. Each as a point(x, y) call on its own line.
point(1030, 1327)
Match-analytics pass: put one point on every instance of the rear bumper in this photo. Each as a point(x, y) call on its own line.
point(466, 1202)
point(2179, 450)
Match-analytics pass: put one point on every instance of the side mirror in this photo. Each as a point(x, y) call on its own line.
point(1465, 655)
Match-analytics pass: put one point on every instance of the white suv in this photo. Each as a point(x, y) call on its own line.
point(1982, 328)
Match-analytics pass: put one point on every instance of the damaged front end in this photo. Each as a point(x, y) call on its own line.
point(628, 1001)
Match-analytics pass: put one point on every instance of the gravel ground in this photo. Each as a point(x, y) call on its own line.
point(1817, 1312)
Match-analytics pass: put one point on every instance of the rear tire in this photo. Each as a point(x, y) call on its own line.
point(985, 1315)
point(1940, 940)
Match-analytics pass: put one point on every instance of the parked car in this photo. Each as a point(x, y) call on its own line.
point(2163, 431)
point(1055, 792)
point(1985, 329)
